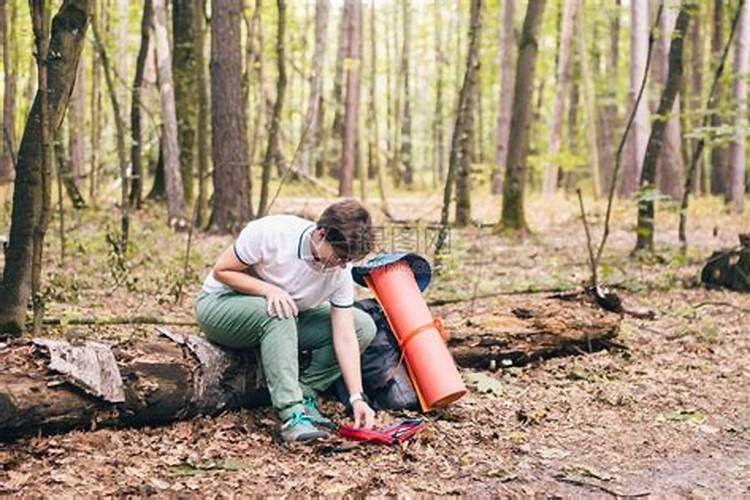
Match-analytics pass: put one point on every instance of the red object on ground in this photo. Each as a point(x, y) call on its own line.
point(392, 434)
point(422, 338)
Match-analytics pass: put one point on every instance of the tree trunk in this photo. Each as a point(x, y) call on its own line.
point(374, 143)
point(719, 165)
point(592, 123)
point(609, 115)
point(171, 151)
point(696, 99)
point(96, 115)
point(463, 132)
point(30, 189)
point(310, 148)
point(438, 126)
point(505, 99)
point(636, 145)
point(170, 376)
point(645, 227)
point(136, 139)
point(518, 139)
point(405, 156)
point(8, 133)
point(394, 162)
point(558, 107)
point(185, 87)
point(231, 204)
point(77, 124)
point(669, 171)
point(739, 100)
point(333, 142)
point(122, 53)
point(122, 155)
point(351, 112)
point(203, 115)
point(66, 174)
point(273, 154)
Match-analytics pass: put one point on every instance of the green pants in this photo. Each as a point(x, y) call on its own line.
point(240, 321)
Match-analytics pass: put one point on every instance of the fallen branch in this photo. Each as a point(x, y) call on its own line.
point(120, 320)
point(721, 304)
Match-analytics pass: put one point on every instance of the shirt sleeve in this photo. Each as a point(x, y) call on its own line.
point(343, 296)
point(249, 245)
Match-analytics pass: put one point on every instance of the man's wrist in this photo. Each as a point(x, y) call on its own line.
point(357, 396)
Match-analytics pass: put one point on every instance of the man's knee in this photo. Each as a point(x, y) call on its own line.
point(365, 328)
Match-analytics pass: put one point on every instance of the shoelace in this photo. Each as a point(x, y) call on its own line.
point(297, 418)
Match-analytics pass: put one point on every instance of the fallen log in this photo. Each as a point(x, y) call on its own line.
point(53, 385)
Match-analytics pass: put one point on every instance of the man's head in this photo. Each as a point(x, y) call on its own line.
point(345, 231)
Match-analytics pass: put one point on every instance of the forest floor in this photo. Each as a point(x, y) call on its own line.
point(665, 414)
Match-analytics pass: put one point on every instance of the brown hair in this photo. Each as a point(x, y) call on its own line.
point(348, 229)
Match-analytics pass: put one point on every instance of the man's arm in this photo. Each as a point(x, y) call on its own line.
point(230, 271)
point(347, 353)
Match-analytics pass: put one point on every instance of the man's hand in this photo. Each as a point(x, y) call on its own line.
point(279, 303)
point(364, 416)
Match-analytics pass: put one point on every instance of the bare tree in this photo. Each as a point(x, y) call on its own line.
point(645, 227)
point(558, 107)
point(136, 186)
point(273, 154)
point(739, 98)
point(719, 156)
point(405, 157)
point(231, 203)
point(171, 150)
point(184, 13)
point(310, 130)
point(463, 131)
point(592, 123)
point(636, 146)
point(31, 195)
point(351, 112)
point(203, 112)
point(669, 168)
point(505, 99)
point(513, 216)
point(8, 135)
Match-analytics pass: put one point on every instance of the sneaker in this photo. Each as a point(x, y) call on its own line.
point(316, 417)
point(299, 427)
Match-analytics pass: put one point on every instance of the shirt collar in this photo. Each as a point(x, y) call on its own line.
point(304, 245)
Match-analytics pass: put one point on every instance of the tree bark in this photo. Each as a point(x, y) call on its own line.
point(438, 127)
point(122, 155)
point(203, 116)
point(505, 99)
point(136, 139)
point(609, 114)
point(464, 131)
point(739, 100)
point(405, 157)
point(77, 125)
point(696, 100)
point(231, 203)
point(592, 122)
point(636, 145)
point(645, 226)
point(719, 157)
point(184, 65)
point(513, 216)
point(8, 133)
point(669, 172)
point(273, 154)
point(310, 148)
point(27, 224)
point(373, 128)
point(333, 141)
point(96, 115)
point(558, 107)
point(351, 111)
point(171, 151)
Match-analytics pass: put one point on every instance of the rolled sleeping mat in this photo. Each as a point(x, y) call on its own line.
point(396, 282)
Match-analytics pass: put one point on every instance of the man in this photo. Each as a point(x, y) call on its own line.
point(285, 285)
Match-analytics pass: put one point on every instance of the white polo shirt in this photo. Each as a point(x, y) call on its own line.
point(276, 249)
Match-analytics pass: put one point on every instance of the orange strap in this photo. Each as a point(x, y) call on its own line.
point(436, 323)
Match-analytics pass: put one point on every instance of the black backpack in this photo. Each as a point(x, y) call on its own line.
point(385, 379)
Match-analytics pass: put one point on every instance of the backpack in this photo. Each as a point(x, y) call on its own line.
point(385, 380)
